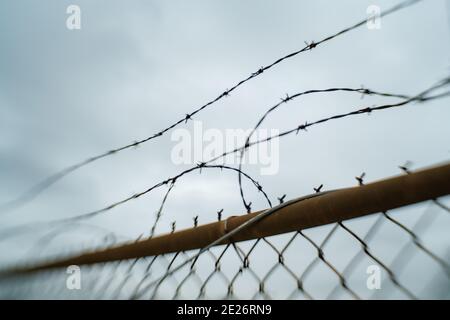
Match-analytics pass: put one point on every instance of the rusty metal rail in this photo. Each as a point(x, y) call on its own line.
point(315, 210)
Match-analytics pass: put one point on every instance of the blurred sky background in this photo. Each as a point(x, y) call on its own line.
point(137, 66)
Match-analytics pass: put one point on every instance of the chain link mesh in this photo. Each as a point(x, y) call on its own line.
point(327, 262)
point(407, 247)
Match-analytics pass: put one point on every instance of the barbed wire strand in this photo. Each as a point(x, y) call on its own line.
point(288, 98)
point(17, 230)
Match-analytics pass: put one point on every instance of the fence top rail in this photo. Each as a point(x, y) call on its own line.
point(306, 212)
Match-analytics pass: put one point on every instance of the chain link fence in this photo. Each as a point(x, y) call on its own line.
point(391, 254)
point(401, 253)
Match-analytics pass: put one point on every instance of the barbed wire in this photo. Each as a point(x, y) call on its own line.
point(362, 91)
point(34, 226)
point(34, 191)
point(304, 126)
point(421, 97)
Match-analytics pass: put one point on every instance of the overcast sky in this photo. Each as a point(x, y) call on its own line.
point(135, 67)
